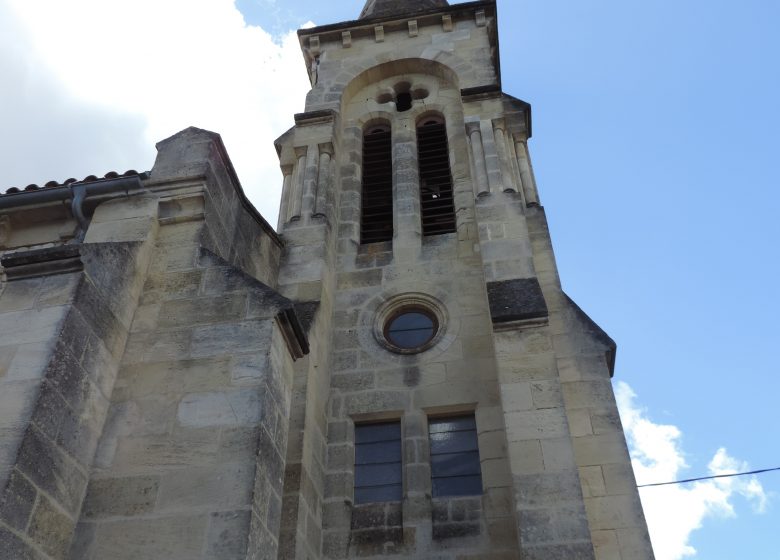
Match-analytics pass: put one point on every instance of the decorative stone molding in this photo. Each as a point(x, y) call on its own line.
point(315, 117)
point(478, 153)
point(527, 179)
point(323, 178)
point(297, 187)
point(411, 301)
point(284, 210)
point(42, 262)
point(507, 177)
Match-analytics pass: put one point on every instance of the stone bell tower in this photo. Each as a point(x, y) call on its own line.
point(456, 403)
point(395, 371)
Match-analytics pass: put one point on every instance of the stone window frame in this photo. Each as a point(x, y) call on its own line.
point(419, 125)
point(374, 312)
point(403, 125)
point(446, 511)
point(376, 123)
point(410, 301)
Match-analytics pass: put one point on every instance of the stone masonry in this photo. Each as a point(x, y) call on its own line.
point(180, 381)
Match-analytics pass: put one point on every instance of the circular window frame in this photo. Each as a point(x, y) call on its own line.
point(410, 303)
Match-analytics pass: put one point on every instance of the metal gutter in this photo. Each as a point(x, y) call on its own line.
point(76, 193)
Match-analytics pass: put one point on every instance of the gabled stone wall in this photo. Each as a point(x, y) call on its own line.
point(151, 373)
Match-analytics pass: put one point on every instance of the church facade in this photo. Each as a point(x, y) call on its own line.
point(394, 371)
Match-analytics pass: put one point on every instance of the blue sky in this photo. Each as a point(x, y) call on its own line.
point(655, 147)
point(655, 142)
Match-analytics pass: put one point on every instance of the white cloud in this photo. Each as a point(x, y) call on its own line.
point(674, 512)
point(97, 82)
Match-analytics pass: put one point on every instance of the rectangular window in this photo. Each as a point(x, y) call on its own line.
point(378, 462)
point(455, 468)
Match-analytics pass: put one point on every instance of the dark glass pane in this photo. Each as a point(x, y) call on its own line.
point(411, 329)
point(382, 452)
point(455, 464)
point(455, 467)
point(457, 486)
point(377, 462)
point(452, 424)
point(410, 321)
point(453, 442)
point(367, 433)
point(410, 339)
point(390, 493)
point(377, 475)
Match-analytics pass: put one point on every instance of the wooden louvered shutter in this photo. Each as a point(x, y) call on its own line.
point(376, 220)
point(438, 210)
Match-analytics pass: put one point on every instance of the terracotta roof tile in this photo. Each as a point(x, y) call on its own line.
point(66, 182)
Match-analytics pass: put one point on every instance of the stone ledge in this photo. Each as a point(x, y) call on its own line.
point(516, 300)
point(42, 262)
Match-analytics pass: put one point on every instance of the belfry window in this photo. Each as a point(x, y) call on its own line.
point(438, 210)
point(376, 221)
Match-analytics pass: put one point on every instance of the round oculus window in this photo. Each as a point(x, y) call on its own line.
point(411, 328)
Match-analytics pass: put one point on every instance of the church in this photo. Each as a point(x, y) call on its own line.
point(393, 371)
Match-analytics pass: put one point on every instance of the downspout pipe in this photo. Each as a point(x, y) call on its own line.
point(76, 193)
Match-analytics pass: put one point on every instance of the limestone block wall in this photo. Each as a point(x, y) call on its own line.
point(33, 310)
point(584, 358)
point(196, 180)
point(307, 221)
point(463, 39)
point(76, 304)
point(302, 514)
point(368, 382)
point(211, 349)
point(191, 461)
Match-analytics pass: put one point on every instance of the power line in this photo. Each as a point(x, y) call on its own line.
point(708, 477)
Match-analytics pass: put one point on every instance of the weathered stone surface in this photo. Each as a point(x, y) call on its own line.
point(126, 496)
point(174, 538)
point(81, 544)
point(236, 408)
point(221, 487)
point(548, 489)
point(228, 535)
point(50, 528)
point(14, 547)
point(515, 300)
point(455, 530)
point(51, 470)
point(17, 501)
